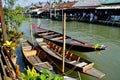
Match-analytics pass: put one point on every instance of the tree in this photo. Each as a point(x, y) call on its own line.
point(60, 1)
point(13, 16)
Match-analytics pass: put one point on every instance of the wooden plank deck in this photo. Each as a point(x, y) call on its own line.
point(38, 64)
point(34, 59)
point(95, 72)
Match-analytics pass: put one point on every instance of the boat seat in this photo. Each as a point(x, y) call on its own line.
point(30, 53)
point(39, 39)
point(81, 64)
point(72, 62)
point(50, 36)
point(57, 38)
point(44, 65)
point(43, 44)
point(27, 48)
point(43, 34)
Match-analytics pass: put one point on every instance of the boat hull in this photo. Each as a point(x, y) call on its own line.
point(72, 61)
point(71, 44)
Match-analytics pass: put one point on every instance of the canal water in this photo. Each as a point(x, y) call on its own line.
point(107, 61)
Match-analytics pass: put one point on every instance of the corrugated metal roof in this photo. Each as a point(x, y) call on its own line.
point(67, 5)
point(110, 1)
point(85, 3)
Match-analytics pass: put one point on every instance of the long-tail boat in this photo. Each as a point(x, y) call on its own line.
point(71, 44)
point(37, 58)
point(72, 61)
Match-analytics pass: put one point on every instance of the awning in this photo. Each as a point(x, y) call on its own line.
point(87, 3)
point(109, 7)
point(37, 11)
point(34, 10)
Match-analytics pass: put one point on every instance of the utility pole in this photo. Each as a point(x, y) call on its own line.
point(2, 21)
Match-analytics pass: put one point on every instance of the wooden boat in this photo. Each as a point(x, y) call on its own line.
point(38, 59)
point(72, 61)
point(72, 44)
point(8, 70)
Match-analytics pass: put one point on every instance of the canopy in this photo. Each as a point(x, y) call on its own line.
point(38, 11)
point(85, 3)
point(109, 7)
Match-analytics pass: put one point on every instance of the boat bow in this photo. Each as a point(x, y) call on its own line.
point(95, 73)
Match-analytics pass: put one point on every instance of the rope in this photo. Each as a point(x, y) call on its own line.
point(70, 71)
point(70, 47)
point(79, 76)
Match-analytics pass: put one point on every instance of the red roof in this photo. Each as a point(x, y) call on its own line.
point(67, 5)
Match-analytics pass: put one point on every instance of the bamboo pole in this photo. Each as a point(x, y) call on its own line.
point(64, 41)
point(31, 29)
point(2, 22)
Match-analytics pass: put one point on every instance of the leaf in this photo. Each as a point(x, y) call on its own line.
point(45, 71)
point(56, 77)
point(42, 77)
point(47, 79)
point(7, 43)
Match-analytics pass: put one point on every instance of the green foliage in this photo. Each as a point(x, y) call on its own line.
point(46, 75)
point(31, 74)
point(13, 19)
point(13, 15)
point(60, 1)
point(13, 41)
point(10, 3)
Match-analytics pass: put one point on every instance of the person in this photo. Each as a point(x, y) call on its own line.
point(70, 14)
point(91, 16)
point(83, 16)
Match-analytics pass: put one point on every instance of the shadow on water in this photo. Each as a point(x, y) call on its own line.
point(20, 61)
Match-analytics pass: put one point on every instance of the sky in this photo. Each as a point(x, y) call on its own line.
point(28, 2)
point(24, 3)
